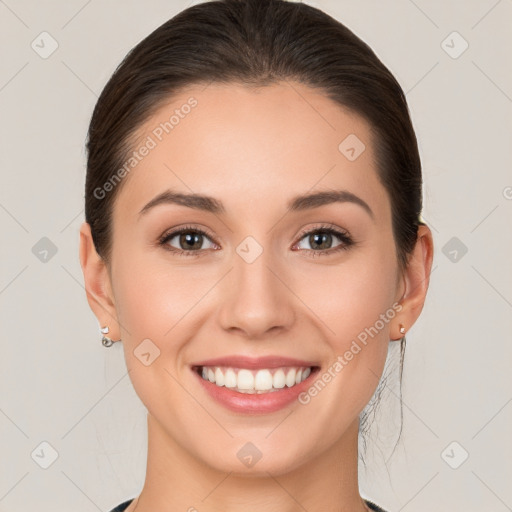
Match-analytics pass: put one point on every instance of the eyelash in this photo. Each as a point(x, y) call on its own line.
point(344, 237)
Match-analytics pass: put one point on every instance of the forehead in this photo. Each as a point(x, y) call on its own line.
point(251, 146)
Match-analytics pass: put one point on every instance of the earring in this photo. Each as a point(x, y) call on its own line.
point(402, 329)
point(105, 340)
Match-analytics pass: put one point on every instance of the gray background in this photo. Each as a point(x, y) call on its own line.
point(61, 387)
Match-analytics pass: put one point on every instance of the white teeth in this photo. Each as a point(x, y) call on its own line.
point(279, 379)
point(229, 379)
point(255, 381)
point(219, 377)
point(290, 378)
point(245, 380)
point(263, 380)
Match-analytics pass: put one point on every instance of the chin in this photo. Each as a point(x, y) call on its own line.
point(257, 458)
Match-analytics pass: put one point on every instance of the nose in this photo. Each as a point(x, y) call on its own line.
point(256, 300)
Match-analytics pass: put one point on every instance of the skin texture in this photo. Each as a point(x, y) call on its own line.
point(253, 149)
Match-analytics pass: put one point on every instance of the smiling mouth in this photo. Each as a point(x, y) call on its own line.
point(251, 381)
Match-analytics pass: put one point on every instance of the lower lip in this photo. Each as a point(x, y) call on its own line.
point(255, 403)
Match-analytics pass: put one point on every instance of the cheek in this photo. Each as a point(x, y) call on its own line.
point(153, 295)
point(152, 301)
point(355, 306)
point(351, 297)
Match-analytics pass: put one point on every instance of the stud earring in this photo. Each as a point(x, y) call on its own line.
point(402, 329)
point(105, 340)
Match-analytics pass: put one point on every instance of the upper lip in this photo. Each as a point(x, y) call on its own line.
point(255, 362)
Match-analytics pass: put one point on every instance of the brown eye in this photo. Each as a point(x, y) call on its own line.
point(321, 241)
point(186, 240)
point(189, 241)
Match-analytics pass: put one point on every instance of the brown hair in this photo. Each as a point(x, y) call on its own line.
point(256, 43)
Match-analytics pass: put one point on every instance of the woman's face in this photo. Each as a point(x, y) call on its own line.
point(265, 281)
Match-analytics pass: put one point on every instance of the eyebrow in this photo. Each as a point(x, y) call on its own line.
point(298, 203)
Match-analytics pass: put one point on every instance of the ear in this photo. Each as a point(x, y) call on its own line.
point(416, 279)
point(98, 286)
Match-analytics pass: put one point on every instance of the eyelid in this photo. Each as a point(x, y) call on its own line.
point(171, 233)
point(325, 226)
point(342, 234)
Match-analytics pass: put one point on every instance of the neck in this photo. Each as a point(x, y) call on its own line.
point(176, 480)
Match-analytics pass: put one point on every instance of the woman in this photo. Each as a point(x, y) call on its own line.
point(253, 239)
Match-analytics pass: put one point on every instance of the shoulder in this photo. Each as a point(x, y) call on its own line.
point(122, 506)
point(373, 506)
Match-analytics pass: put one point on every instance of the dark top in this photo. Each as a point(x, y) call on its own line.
point(124, 505)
